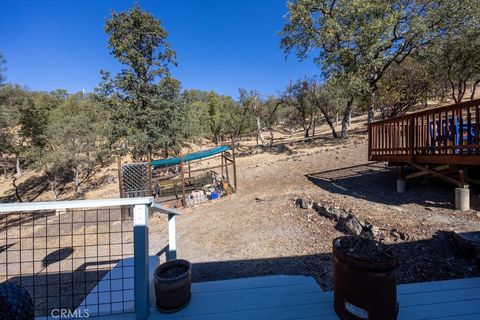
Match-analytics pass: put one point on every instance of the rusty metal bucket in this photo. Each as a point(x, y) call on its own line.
point(364, 289)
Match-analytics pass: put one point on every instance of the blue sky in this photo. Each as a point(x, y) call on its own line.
point(220, 45)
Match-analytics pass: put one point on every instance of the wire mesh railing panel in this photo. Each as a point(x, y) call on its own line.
point(75, 261)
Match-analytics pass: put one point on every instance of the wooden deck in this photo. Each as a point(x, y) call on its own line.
point(299, 297)
point(445, 135)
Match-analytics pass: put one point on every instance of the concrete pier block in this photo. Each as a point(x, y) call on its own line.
point(462, 198)
point(401, 186)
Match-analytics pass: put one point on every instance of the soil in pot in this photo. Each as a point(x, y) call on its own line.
point(364, 249)
point(172, 272)
point(364, 279)
point(173, 280)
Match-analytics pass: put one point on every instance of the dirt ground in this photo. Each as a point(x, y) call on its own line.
point(260, 230)
point(60, 257)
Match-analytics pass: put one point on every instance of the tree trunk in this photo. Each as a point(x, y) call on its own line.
point(462, 86)
point(332, 127)
point(474, 89)
point(330, 123)
point(17, 193)
point(271, 136)
point(53, 188)
point(18, 167)
point(370, 114)
point(314, 124)
point(346, 119)
point(260, 133)
point(76, 182)
point(306, 131)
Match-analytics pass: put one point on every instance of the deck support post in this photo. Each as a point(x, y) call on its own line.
point(462, 178)
point(462, 198)
point(401, 185)
point(401, 173)
point(141, 263)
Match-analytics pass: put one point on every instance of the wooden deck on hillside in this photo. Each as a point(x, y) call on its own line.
point(445, 135)
point(299, 297)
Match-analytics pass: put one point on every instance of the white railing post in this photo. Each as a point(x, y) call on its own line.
point(141, 257)
point(172, 243)
point(141, 208)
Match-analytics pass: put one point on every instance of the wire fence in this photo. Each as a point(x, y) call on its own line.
point(74, 260)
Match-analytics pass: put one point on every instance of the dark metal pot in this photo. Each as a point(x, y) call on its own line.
point(15, 303)
point(364, 289)
point(173, 293)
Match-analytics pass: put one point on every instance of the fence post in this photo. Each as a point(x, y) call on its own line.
point(141, 257)
point(234, 165)
point(411, 139)
point(172, 243)
point(369, 126)
point(120, 176)
point(149, 172)
point(182, 169)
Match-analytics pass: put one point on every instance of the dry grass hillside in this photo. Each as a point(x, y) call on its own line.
point(264, 229)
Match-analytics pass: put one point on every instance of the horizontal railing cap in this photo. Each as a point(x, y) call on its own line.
point(74, 204)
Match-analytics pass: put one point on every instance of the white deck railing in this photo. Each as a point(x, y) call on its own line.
point(141, 209)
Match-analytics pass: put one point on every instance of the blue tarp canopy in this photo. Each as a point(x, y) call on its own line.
point(189, 157)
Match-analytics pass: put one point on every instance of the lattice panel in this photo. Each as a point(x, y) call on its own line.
point(135, 177)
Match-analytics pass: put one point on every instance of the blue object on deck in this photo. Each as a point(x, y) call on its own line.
point(189, 157)
point(214, 195)
point(452, 132)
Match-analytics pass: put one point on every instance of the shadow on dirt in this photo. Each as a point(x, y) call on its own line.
point(28, 190)
point(376, 182)
point(56, 256)
point(10, 221)
point(418, 261)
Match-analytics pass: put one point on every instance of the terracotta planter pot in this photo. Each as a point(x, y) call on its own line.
point(173, 281)
point(364, 289)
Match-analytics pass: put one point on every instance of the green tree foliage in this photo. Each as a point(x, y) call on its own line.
point(253, 103)
point(403, 86)
point(324, 98)
point(239, 121)
point(2, 68)
point(220, 112)
point(303, 112)
point(454, 63)
point(174, 126)
point(13, 99)
point(214, 116)
point(34, 116)
point(358, 41)
point(72, 142)
point(137, 96)
point(271, 114)
point(196, 113)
